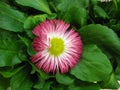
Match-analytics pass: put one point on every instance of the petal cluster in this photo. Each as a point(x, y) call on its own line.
point(57, 31)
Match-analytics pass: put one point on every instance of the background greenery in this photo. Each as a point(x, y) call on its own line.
point(98, 24)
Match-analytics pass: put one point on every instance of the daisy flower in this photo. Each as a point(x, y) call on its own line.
point(58, 48)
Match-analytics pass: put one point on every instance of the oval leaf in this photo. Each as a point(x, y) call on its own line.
point(100, 12)
point(84, 86)
point(41, 5)
point(93, 66)
point(110, 82)
point(11, 19)
point(100, 35)
point(64, 79)
point(9, 48)
point(21, 81)
point(73, 11)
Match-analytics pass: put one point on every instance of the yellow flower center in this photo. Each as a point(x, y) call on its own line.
point(57, 46)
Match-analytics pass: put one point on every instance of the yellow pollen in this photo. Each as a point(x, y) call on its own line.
point(56, 46)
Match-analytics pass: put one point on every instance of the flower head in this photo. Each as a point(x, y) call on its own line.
point(58, 47)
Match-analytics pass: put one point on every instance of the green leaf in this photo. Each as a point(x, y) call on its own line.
point(47, 86)
point(64, 79)
point(64, 5)
point(59, 87)
point(11, 19)
point(29, 49)
point(4, 83)
point(22, 54)
point(73, 11)
point(40, 5)
point(40, 83)
point(117, 70)
point(10, 73)
point(52, 16)
point(83, 88)
point(110, 82)
point(78, 85)
point(9, 49)
point(42, 74)
point(21, 81)
point(100, 12)
point(79, 17)
point(116, 27)
point(88, 87)
point(32, 21)
point(4, 0)
point(93, 66)
point(100, 35)
point(25, 40)
point(115, 3)
point(94, 2)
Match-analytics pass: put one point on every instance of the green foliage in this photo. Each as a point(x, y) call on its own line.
point(47, 86)
point(11, 19)
point(84, 86)
point(118, 72)
point(31, 22)
point(11, 72)
point(100, 35)
point(41, 5)
point(64, 79)
point(93, 66)
point(9, 49)
point(40, 72)
point(110, 82)
point(4, 83)
point(39, 84)
point(100, 12)
point(98, 24)
point(21, 81)
point(67, 10)
point(58, 88)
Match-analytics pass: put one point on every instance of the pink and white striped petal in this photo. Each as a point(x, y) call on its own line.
point(57, 47)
